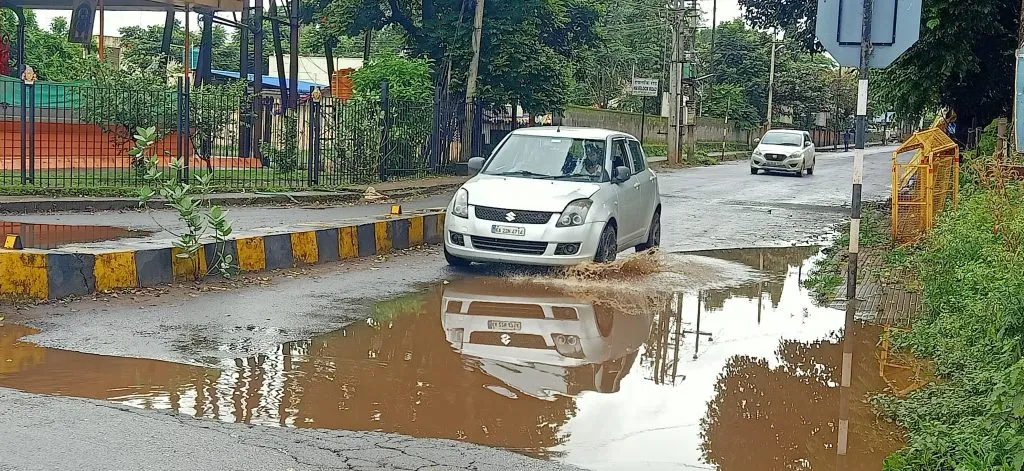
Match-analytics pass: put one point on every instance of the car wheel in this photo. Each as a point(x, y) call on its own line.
point(455, 261)
point(800, 173)
point(653, 234)
point(753, 171)
point(810, 171)
point(608, 247)
point(605, 322)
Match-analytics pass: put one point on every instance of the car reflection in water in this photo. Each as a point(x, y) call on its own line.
point(540, 343)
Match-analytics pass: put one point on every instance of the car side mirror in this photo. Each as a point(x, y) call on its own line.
point(757, 140)
point(621, 175)
point(475, 165)
point(808, 144)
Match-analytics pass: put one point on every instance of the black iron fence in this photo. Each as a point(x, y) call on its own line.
point(78, 135)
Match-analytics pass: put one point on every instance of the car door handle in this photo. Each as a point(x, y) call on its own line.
point(636, 185)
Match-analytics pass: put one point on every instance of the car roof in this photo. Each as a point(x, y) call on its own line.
point(570, 132)
point(785, 131)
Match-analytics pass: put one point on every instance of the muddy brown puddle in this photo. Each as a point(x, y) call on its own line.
point(744, 378)
point(52, 236)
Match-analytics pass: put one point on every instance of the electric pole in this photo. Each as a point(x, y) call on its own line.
point(675, 73)
point(474, 67)
point(771, 79)
point(692, 20)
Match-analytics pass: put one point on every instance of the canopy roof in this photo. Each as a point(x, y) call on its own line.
point(129, 5)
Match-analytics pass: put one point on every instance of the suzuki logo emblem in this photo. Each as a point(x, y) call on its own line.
point(510, 216)
point(506, 339)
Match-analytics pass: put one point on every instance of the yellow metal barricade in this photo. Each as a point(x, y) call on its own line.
point(925, 179)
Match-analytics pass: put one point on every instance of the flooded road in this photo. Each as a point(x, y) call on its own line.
point(53, 236)
point(737, 378)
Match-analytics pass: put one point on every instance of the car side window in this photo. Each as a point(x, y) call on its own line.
point(639, 158)
point(620, 158)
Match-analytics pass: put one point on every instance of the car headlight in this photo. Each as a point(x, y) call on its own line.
point(575, 213)
point(795, 155)
point(758, 153)
point(460, 206)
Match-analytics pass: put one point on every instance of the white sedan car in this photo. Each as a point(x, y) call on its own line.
point(555, 196)
point(784, 151)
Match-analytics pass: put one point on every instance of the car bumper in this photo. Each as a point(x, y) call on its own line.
point(587, 236)
point(791, 164)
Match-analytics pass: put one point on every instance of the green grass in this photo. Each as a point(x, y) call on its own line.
point(971, 270)
point(827, 275)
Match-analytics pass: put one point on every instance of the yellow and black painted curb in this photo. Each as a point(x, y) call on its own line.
point(55, 274)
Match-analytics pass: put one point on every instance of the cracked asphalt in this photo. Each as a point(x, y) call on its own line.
point(57, 433)
point(705, 208)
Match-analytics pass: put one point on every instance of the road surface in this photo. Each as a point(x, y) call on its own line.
point(335, 347)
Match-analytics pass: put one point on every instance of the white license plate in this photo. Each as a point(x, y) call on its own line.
point(513, 326)
point(508, 230)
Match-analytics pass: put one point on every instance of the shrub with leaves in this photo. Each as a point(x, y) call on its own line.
point(215, 111)
point(122, 101)
point(972, 327)
point(286, 158)
point(201, 219)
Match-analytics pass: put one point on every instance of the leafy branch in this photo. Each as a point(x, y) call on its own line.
point(200, 218)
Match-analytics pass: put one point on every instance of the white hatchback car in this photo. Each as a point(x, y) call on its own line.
point(784, 151)
point(555, 196)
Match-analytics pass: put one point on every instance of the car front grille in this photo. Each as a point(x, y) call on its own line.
point(512, 216)
point(775, 157)
point(522, 247)
point(519, 311)
point(509, 339)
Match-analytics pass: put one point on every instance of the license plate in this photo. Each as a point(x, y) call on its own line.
point(509, 230)
point(513, 326)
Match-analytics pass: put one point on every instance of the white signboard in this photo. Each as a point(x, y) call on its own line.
point(645, 87)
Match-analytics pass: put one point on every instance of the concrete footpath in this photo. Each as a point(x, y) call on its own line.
point(395, 190)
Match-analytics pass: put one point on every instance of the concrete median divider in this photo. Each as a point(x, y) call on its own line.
point(59, 273)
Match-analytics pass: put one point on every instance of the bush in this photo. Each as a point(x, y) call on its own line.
point(972, 328)
point(286, 158)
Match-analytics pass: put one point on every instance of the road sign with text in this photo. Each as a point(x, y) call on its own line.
point(895, 26)
point(645, 87)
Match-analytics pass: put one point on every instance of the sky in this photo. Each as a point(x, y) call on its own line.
point(727, 10)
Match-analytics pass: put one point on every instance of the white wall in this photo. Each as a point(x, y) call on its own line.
point(314, 69)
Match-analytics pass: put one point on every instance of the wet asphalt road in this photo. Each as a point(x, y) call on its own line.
point(713, 207)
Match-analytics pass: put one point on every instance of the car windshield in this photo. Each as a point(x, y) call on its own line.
point(548, 157)
point(783, 139)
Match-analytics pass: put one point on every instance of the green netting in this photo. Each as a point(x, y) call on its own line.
point(47, 94)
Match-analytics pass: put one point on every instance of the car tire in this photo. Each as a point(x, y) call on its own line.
point(810, 171)
point(605, 322)
point(455, 261)
point(753, 171)
point(653, 234)
point(607, 245)
point(800, 173)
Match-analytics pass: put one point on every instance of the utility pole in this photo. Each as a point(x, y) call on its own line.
point(474, 67)
point(675, 73)
point(692, 19)
point(771, 80)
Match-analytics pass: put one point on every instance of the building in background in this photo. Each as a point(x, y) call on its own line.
point(314, 69)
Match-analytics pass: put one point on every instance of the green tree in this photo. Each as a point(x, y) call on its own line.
point(964, 59)
point(526, 45)
point(805, 83)
point(142, 46)
point(48, 51)
point(622, 49)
